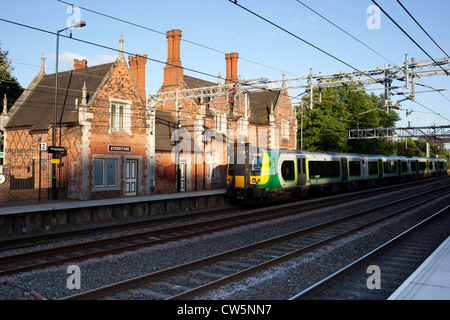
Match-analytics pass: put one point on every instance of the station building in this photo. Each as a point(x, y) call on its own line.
point(103, 123)
point(264, 118)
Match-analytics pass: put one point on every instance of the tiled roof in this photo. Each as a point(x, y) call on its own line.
point(37, 110)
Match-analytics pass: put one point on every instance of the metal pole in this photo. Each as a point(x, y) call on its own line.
point(311, 90)
point(152, 145)
point(54, 192)
point(79, 24)
point(301, 130)
point(40, 168)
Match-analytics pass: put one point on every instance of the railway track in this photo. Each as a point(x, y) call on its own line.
point(395, 260)
point(51, 237)
point(196, 277)
point(62, 254)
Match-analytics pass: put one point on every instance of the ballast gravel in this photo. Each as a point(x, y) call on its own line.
point(278, 282)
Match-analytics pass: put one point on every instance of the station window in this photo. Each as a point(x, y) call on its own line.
point(285, 129)
point(117, 116)
point(220, 122)
point(105, 172)
point(288, 170)
point(120, 116)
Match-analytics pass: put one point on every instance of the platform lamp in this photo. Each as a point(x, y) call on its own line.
point(79, 24)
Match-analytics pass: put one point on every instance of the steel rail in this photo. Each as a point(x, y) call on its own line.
point(154, 233)
point(307, 293)
point(151, 277)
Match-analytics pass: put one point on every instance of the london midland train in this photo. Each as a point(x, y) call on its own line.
point(257, 175)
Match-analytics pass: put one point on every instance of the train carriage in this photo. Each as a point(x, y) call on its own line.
point(259, 175)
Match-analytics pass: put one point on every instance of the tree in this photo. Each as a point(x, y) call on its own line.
point(326, 126)
point(8, 83)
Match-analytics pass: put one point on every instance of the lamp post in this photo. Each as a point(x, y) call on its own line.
point(79, 24)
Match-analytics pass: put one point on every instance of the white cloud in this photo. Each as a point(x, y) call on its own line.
point(67, 59)
point(102, 59)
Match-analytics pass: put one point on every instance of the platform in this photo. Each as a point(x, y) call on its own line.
point(431, 281)
point(25, 218)
point(53, 205)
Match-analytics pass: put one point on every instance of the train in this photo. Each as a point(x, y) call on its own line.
point(260, 175)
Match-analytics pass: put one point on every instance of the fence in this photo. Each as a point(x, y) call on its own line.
point(32, 169)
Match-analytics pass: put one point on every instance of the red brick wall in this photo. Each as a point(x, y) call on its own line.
point(119, 86)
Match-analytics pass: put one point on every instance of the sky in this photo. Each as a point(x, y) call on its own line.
point(212, 28)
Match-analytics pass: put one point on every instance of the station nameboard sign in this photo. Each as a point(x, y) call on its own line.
point(119, 148)
point(60, 150)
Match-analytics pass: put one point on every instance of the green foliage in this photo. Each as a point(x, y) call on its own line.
point(8, 83)
point(326, 126)
point(341, 109)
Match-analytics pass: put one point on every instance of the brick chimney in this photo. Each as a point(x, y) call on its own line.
point(137, 68)
point(232, 59)
point(79, 64)
point(173, 71)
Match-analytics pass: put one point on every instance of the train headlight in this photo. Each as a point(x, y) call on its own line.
point(253, 180)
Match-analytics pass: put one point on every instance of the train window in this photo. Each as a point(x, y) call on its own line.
point(414, 166)
point(324, 169)
point(422, 166)
point(441, 165)
point(230, 169)
point(390, 166)
point(354, 168)
point(404, 166)
point(256, 165)
point(288, 170)
point(373, 168)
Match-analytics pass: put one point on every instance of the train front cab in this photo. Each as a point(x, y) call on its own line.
point(247, 173)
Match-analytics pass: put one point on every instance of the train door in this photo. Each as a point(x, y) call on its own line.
point(380, 168)
point(344, 169)
point(241, 166)
point(301, 171)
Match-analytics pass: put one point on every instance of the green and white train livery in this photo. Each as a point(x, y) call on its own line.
point(263, 175)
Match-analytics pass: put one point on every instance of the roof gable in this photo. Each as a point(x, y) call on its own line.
point(37, 110)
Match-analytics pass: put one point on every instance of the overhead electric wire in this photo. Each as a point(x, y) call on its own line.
point(321, 50)
point(421, 27)
point(103, 46)
point(417, 46)
point(295, 36)
point(395, 22)
point(164, 34)
point(347, 33)
point(106, 47)
point(373, 50)
point(161, 62)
